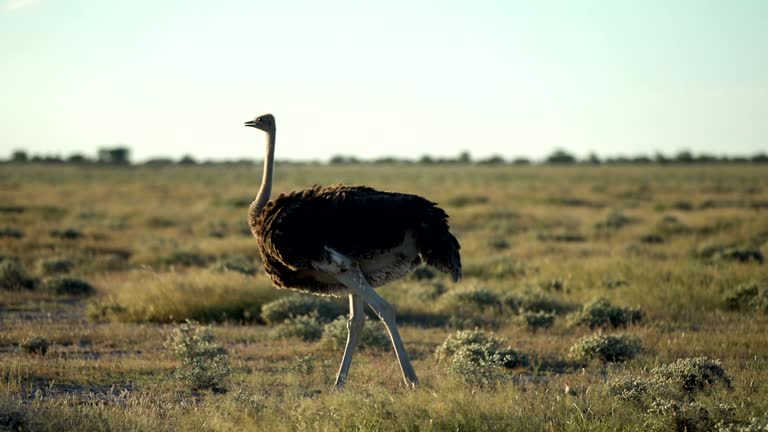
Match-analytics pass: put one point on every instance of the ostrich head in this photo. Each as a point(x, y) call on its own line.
point(265, 122)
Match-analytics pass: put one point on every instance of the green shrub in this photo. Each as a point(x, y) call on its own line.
point(236, 263)
point(35, 345)
point(54, 265)
point(692, 375)
point(326, 309)
point(680, 416)
point(538, 320)
point(477, 358)
point(628, 388)
point(63, 285)
point(203, 364)
point(483, 346)
point(605, 348)
point(601, 313)
point(470, 299)
point(749, 296)
point(373, 336)
point(304, 327)
point(13, 276)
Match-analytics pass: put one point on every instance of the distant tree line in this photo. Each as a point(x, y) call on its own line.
point(121, 156)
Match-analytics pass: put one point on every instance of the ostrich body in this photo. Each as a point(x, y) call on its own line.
point(346, 240)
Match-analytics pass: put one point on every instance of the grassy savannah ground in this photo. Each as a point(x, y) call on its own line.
point(604, 298)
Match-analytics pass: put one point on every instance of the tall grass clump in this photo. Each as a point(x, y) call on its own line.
point(200, 295)
point(202, 363)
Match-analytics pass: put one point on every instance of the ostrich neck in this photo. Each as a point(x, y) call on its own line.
point(266, 181)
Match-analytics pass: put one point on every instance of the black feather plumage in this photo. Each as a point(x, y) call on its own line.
point(386, 233)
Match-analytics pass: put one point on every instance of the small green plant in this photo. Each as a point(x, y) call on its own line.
point(202, 363)
point(294, 305)
point(13, 277)
point(54, 265)
point(35, 345)
point(692, 375)
point(63, 285)
point(303, 365)
point(236, 263)
point(373, 335)
point(749, 296)
point(304, 327)
point(601, 313)
point(628, 388)
point(605, 348)
point(538, 320)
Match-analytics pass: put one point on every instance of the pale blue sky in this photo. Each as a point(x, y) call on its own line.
point(393, 77)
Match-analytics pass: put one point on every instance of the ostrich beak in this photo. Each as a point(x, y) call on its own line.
point(251, 123)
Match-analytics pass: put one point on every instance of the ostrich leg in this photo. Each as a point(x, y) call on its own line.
point(349, 274)
point(354, 326)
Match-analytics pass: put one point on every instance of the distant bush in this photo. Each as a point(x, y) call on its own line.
point(325, 309)
point(66, 234)
point(63, 285)
point(237, 263)
point(652, 239)
point(692, 375)
point(719, 252)
point(35, 345)
point(9, 232)
point(423, 272)
point(605, 348)
point(470, 299)
point(426, 291)
point(465, 200)
point(749, 296)
point(601, 313)
point(538, 320)
point(373, 336)
point(203, 364)
point(614, 221)
point(536, 301)
point(304, 327)
point(494, 268)
point(13, 276)
point(54, 265)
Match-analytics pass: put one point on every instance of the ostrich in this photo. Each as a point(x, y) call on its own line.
point(345, 241)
